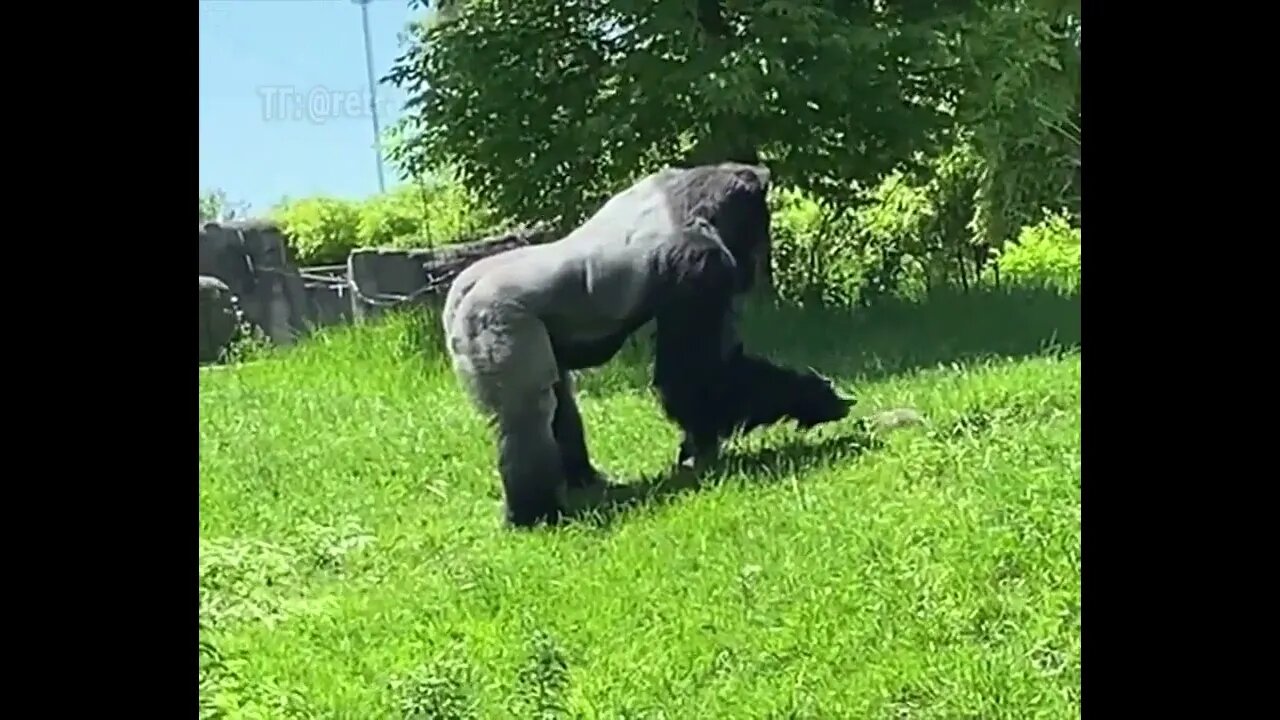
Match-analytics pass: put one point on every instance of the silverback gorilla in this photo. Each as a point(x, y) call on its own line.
point(679, 247)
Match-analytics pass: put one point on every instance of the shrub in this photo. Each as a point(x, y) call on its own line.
point(1046, 254)
point(393, 219)
point(323, 230)
point(843, 257)
point(893, 238)
point(913, 233)
point(424, 215)
point(319, 230)
point(813, 259)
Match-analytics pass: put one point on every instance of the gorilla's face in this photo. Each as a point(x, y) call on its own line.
point(817, 402)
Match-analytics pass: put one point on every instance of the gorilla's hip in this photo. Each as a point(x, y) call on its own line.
point(502, 353)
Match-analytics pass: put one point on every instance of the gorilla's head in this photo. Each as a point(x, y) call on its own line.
point(733, 198)
point(816, 401)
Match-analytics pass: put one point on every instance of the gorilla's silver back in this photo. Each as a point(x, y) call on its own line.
point(583, 285)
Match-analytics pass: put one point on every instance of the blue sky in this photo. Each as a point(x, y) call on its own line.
point(284, 98)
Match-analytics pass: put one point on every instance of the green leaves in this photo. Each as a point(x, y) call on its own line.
point(1046, 254)
point(970, 110)
point(430, 212)
point(320, 230)
point(545, 107)
point(215, 206)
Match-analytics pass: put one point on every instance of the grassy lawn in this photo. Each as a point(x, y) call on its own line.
point(353, 565)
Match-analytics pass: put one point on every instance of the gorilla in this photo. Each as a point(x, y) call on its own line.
point(680, 247)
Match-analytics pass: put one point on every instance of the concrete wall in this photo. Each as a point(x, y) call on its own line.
point(382, 279)
point(251, 258)
point(328, 302)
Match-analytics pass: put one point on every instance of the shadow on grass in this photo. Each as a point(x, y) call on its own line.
point(601, 506)
point(951, 327)
point(894, 338)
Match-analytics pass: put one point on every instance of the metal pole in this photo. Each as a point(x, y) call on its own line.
point(373, 90)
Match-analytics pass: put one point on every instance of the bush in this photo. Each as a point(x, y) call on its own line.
point(319, 230)
point(323, 231)
point(813, 259)
point(424, 215)
point(1046, 254)
point(893, 240)
point(393, 219)
point(844, 257)
point(907, 240)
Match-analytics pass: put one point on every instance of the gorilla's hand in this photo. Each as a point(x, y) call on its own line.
point(696, 453)
point(816, 401)
point(806, 397)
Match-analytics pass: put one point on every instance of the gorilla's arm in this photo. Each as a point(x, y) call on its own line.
point(688, 371)
point(709, 385)
point(760, 393)
point(566, 426)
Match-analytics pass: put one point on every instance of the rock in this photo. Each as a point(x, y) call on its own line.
point(219, 317)
point(895, 419)
point(252, 258)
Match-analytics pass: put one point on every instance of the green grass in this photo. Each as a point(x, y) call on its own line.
point(353, 565)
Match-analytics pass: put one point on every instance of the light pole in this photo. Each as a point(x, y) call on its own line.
point(373, 90)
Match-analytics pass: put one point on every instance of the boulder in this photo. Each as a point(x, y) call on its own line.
point(252, 258)
point(219, 318)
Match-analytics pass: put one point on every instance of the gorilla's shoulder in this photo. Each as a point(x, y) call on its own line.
point(699, 263)
point(703, 189)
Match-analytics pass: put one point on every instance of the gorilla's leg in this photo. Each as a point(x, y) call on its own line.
point(503, 357)
point(566, 425)
point(529, 460)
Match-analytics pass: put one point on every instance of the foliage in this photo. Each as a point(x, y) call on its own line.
point(843, 256)
point(892, 232)
point(247, 344)
point(910, 235)
point(932, 133)
point(570, 100)
point(1020, 108)
point(933, 573)
point(907, 235)
point(319, 230)
point(903, 237)
point(324, 230)
point(423, 214)
point(214, 205)
point(437, 691)
point(812, 258)
point(1046, 254)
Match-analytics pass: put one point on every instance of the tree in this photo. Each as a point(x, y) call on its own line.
point(546, 106)
point(1021, 109)
point(214, 206)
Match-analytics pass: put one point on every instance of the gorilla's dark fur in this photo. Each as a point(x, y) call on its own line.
point(679, 247)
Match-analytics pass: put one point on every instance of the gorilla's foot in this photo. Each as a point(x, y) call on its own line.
point(530, 512)
point(529, 504)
